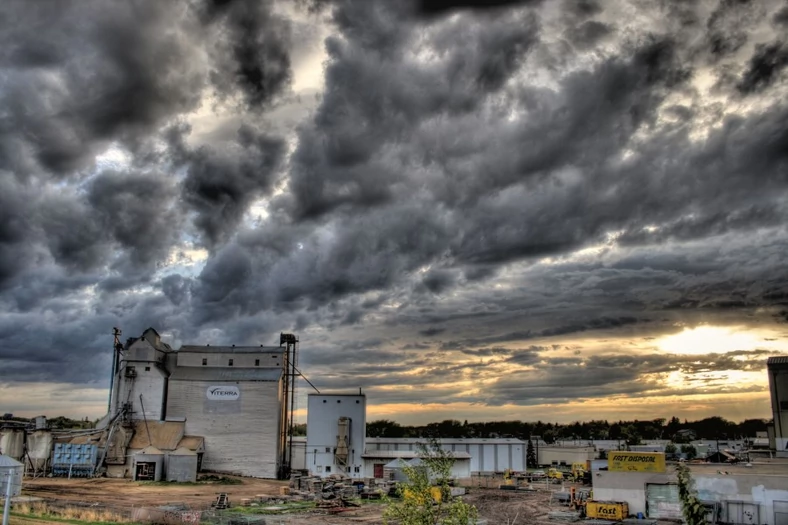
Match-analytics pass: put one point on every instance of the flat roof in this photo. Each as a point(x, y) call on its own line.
point(335, 394)
point(407, 454)
point(449, 441)
point(203, 349)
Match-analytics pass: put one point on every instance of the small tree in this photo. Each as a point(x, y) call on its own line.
point(690, 451)
point(418, 505)
point(693, 510)
point(670, 449)
point(530, 455)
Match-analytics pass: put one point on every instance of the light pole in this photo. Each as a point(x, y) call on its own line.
point(8, 490)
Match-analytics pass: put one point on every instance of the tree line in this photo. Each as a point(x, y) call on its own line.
point(629, 432)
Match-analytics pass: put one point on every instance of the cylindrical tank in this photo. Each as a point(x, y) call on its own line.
point(12, 443)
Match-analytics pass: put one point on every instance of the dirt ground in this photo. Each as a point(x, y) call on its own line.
point(126, 493)
point(496, 506)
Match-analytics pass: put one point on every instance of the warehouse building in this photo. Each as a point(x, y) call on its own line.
point(485, 455)
point(754, 495)
point(232, 402)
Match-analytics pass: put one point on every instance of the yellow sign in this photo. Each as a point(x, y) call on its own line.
point(636, 461)
point(607, 510)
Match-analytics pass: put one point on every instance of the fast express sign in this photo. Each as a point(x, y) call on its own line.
point(223, 393)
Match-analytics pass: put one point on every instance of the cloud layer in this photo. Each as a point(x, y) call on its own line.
point(507, 207)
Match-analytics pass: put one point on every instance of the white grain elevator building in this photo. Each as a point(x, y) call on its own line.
point(236, 400)
point(336, 434)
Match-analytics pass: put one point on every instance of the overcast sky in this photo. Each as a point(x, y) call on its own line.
point(552, 210)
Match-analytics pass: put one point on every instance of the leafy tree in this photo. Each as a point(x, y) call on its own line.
point(385, 428)
point(530, 455)
point(693, 510)
point(690, 451)
point(418, 505)
point(299, 429)
point(670, 449)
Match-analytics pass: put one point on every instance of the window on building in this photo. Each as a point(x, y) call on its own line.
point(338, 401)
point(357, 401)
point(230, 362)
point(204, 361)
point(320, 468)
point(324, 401)
point(147, 369)
point(357, 470)
point(256, 362)
point(328, 449)
point(328, 469)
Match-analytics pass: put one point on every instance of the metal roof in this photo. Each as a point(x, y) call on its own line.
point(8, 461)
point(183, 451)
point(202, 349)
point(449, 441)
point(777, 360)
point(192, 443)
point(407, 454)
point(195, 373)
point(164, 435)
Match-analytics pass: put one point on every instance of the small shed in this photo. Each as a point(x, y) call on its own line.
point(10, 467)
point(182, 465)
point(393, 471)
point(148, 464)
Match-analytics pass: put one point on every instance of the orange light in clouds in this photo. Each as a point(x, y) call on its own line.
point(718, 339)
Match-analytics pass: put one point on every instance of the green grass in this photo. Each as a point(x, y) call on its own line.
point(51, 517)
point(205, 479)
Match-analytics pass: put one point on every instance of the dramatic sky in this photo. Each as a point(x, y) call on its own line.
point(551, 210)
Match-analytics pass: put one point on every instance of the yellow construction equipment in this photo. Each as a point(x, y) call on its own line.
point(555, 475)
point(578, 472)
point(507, 477)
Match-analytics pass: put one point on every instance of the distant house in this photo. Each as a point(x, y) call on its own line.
point(685, 435)
point(722, 456)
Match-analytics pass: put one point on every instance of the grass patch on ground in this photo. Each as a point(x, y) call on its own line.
point(76, 515)
point(204, 479)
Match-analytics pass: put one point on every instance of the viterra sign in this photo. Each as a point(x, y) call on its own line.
point(223, 393)
point(619, 461)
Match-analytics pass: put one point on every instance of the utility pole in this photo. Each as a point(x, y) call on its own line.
point(8, 492)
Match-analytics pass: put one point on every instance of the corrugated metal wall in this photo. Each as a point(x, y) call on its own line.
point(493, 455)
point(662, 501)
point(241, 435)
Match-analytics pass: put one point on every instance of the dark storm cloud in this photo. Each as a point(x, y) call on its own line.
point(80, 75)
point(251, 55)
point(138, 211)
point(348, 139)
point(224, 179)
point(440, 7)
point(764, 68)
point(433, 206)
point(780, 18)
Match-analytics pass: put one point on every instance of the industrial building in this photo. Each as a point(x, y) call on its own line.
point(753, 494)
point(336, 434)
point(777, 368)
point(229, 404)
